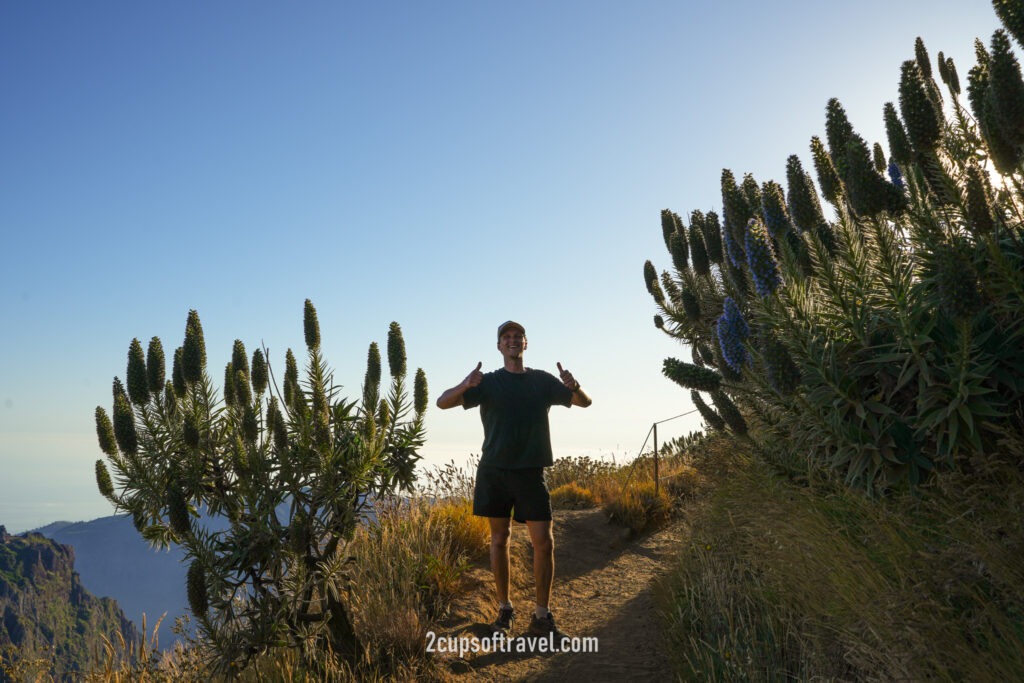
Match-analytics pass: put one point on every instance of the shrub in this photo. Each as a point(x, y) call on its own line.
point(470, 536)
point(177, 448)
point(639, 508)
point(885, 344)
point(572, 497)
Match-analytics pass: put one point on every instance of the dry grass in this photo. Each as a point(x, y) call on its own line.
point(572, 497)
point(784, 582)
point(640, 508)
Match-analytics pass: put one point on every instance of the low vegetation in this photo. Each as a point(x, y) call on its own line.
point(786, 581)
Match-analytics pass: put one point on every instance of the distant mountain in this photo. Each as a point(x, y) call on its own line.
point(44, 606)
point(114, 560)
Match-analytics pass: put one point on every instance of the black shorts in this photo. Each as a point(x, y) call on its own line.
point(521, 494)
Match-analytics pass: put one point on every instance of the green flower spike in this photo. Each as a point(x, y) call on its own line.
point(734, 203)
point(650, 276)
point(712, 418)
point(420, 392)
point(699, 252)
point(138, 384)
point(828, 178)
point(229, 384)
point(923, 126)
point(670, 287)
point(250, 425)
point(239, 361)
point(838, 130)
point(978, 203)
point(241, 459)
point(1007, 89)
point(868, 191)
point(155, 370)
point(752, 194)
point(668, 226)
point(371, 382)
point(178, 374)
point(243, 394)
point(124, 426)
point(177, 512)
point(396, 351)
point(196, 590)
point(713, 237)
point(105, 432)
point(383, 416)
point(1005, 155)
point(691, 376)
point(804, 207)
point(292, 392)
point(260, 374)
point(679, 250)
point(193, 351)
point(1011, 14)
point(940, 60)
point(954, 79)
point(103, 482)
point(899, 143)
point(878, 156)
point(730, 414)
point(170, 400)
point(279, 427)
point(921, 54)
point(311, 326)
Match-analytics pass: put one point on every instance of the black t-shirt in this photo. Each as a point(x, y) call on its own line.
point(514, 409)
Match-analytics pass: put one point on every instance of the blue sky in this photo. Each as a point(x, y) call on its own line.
point(448, 165)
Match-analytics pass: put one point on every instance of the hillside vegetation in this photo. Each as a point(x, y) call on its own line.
point(45, 613)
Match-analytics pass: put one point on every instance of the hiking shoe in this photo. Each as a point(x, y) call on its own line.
point(503, 624)
point(544, 626)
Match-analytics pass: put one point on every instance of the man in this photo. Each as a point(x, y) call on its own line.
point(514, 403)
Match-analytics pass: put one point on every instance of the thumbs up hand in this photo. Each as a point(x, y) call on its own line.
point(567, 378)
point(474, 378)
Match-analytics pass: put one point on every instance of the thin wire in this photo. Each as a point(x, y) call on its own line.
point(640, 452)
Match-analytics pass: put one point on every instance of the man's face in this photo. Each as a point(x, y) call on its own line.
point(512, 343)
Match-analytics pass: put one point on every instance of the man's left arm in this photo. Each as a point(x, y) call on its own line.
point(579, 397)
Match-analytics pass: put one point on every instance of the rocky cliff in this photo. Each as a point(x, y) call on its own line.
point(44, 610)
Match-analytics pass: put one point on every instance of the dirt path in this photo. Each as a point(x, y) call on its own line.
point(603, 589)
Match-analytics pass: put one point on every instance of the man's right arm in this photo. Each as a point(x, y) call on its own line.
point(453, 397)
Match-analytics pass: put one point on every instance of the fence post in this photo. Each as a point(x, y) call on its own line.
point(655, 459)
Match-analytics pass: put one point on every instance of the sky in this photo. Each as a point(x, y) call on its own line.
point(446, 165)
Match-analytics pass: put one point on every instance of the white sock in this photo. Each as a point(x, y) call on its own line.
point(541, 612)
point(504, 605)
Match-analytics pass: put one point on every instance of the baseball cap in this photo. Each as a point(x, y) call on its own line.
point(510, 323)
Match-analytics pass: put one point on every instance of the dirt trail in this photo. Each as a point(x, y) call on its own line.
point(603, 589)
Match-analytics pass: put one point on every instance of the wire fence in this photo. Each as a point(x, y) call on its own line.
point(653, 430)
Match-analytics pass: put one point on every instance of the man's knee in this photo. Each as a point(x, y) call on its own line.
point(499, 539)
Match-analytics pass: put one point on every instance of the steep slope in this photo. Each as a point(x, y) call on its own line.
point(44, 607)
point(115, 561)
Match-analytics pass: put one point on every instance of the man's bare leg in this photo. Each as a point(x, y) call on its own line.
point(543, 559)
point(500, 560)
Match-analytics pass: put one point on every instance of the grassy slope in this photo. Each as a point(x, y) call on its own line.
point(784, 581)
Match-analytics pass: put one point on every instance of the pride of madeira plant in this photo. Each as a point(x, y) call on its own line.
point(890, 341)
point(178, 451)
